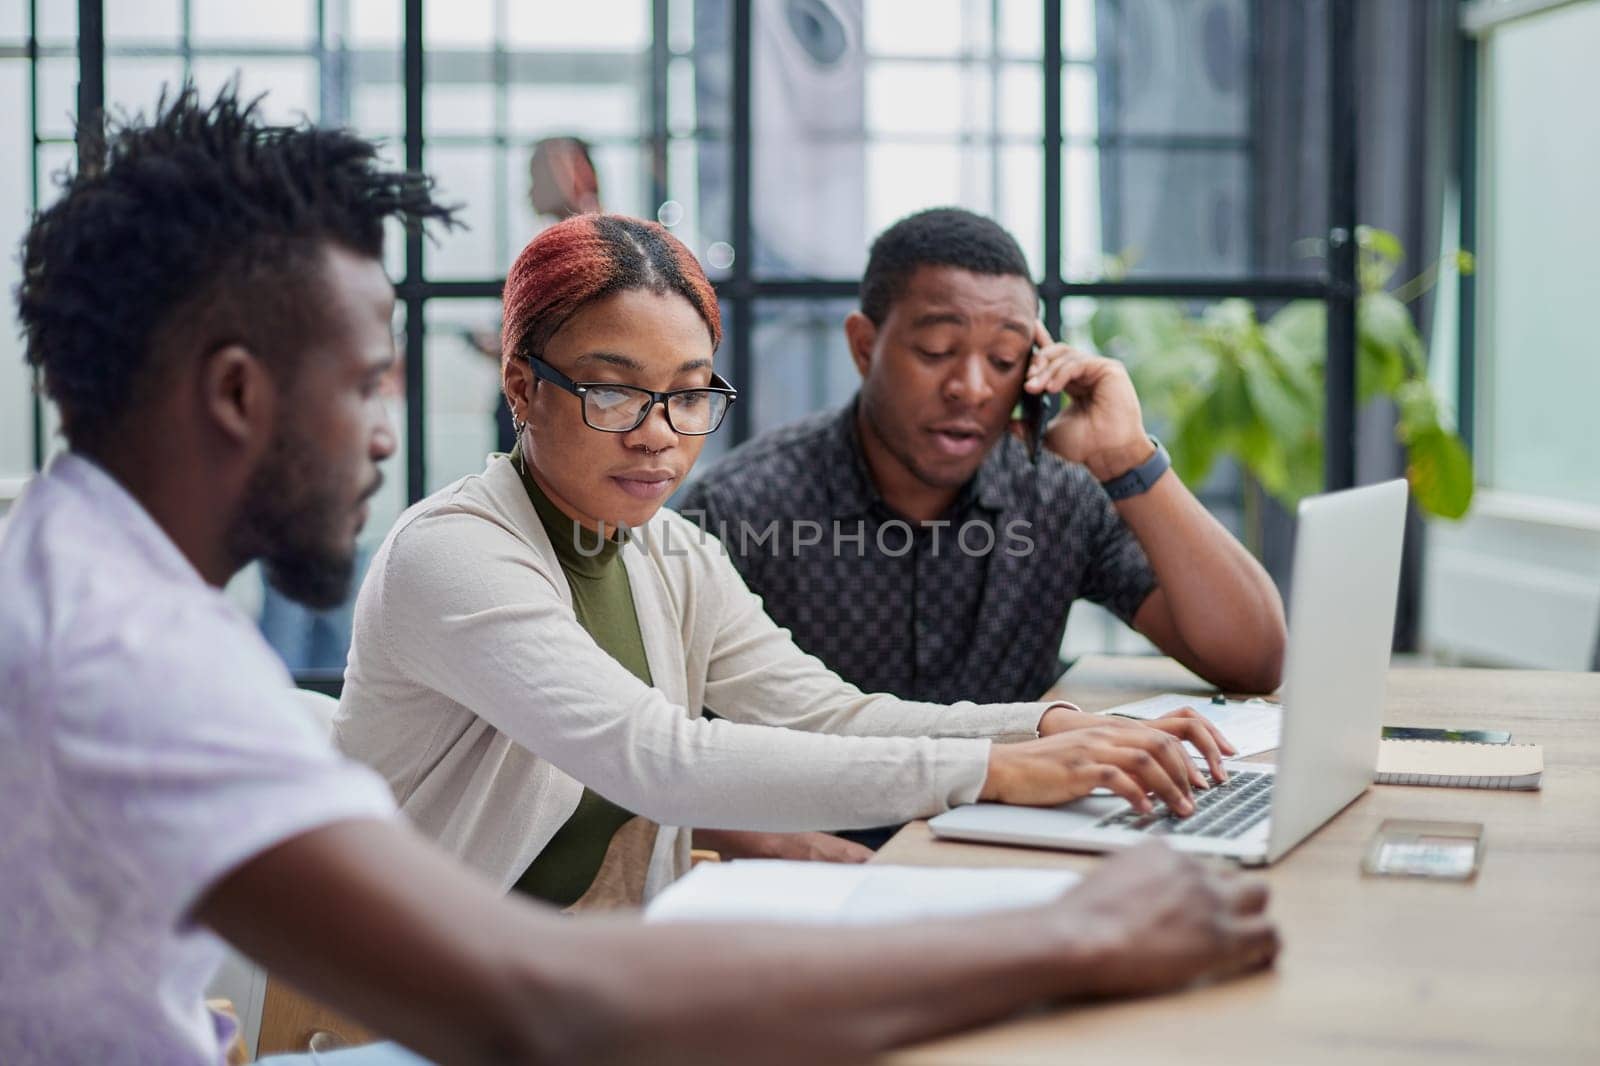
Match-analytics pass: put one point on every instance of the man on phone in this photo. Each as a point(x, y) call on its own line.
point(909, 541)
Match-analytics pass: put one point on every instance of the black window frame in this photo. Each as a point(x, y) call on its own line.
point(1336, 286)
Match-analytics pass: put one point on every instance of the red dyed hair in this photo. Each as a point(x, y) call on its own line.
point(587, 258)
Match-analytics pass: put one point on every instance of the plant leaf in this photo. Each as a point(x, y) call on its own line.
point(1299, 332)
point(1418, 409)
point(1385, 340)
point(1440, 472)
point(1194, 446)
point(1286, 410)
point(1380, 255)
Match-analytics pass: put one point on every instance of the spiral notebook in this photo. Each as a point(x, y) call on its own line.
point(1451, 764)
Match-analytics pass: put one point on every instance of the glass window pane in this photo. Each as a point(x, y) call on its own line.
point(1157, 169)
point(680, 25)
point(933, 98)
point(466, 176)
point(593, 26)
point(1176, 212)
point(848, 143)
point(1018, 202)
point(58, 23)
point(713, 68)
point(920, 27)
point(522, 223)
point(1020, 107)
point(372, 23)
point(462, 381)
point(1078, 29)
point(681, 97)
point(699, 178)
point(624, 173)
point(285, 22)
point(593, 110)
point(1021, 28)
point(458, 109)
point(378, 109)
point(1181, 68)
point(13, 21)
point(1082, 252)
point(54, 161)
point(693, 221)
point(801, 361)
point(1080, 101)
point(458, 24)
point(1541, 164)
point(135, 84)
point(143, 22)
point(58, 95)
point(904, 178)
point(290, 85)
point(16, 195)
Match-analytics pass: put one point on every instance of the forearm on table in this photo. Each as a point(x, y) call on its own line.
point(380, 925)
point(1224, 608)
point(765, 994)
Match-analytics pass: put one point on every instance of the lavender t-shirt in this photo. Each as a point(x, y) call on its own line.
point(150, 742)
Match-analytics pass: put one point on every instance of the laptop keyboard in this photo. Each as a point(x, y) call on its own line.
point(1221, 812)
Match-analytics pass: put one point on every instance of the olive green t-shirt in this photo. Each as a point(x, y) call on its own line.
point(602, 599)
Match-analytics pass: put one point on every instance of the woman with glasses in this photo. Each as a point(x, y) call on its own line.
point(534, 644)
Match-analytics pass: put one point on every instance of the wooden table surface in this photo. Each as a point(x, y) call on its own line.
point(1501, 969)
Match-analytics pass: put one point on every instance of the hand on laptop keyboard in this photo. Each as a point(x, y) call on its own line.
point(1131, 759)
point(1227, 810)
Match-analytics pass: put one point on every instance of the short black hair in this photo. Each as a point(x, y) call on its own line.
point(940, 236)
point(203, 214)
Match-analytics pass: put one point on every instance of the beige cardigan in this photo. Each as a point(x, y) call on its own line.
point(474, 690)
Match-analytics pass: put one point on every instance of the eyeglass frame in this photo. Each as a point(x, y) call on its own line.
point(544, 371)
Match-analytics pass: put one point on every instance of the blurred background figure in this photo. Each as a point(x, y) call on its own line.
point(562, 180)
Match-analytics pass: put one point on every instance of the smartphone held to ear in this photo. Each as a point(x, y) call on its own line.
point(1039, 409)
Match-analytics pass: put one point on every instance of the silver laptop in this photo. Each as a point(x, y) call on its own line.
point(1341, 602)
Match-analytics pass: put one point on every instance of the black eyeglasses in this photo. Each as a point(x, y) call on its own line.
point(613, 408)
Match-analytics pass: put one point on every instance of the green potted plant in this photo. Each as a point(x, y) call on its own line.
point(1225, 383)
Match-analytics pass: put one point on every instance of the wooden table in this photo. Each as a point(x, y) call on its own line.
point(1502, 969)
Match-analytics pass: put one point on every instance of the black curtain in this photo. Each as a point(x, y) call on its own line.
point(1405, 55)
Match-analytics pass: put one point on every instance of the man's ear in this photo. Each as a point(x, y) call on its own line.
point(239, 395)
point(862, 336)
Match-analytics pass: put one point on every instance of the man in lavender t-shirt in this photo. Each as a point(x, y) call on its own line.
point(150, 743)
point(208, 308)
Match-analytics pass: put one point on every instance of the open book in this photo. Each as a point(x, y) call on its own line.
point(1457, 765)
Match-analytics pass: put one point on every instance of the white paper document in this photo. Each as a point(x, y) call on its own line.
point(1252, 726)
point(773, 890)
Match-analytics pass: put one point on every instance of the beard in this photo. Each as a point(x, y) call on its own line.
point(296, 519)
point(899, 439)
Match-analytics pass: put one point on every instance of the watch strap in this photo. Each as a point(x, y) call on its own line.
point(1140, 478)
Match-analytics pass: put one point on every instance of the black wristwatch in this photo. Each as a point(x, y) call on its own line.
point(1141, 477)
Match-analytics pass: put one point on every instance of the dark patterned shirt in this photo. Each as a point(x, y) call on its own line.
point(971, 607)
